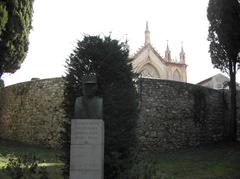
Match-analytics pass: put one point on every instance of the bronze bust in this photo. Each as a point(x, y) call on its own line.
point(88, 106)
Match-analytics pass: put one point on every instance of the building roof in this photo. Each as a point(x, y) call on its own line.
point(209, 79)
point(157, 54)
point(150, 47)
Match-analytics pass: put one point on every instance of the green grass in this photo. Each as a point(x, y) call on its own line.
point(208, 162)
point(48, 157)
point(215, 161)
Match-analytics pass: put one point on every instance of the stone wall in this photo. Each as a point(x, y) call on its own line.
point(227, 97)
point(177, 115)
point(30, 112)
point(172, 114)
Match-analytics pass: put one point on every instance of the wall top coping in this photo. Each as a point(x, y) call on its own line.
point(33, 82)
point(179, 83)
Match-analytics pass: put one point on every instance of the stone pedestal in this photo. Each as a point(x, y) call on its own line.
point(87, 149)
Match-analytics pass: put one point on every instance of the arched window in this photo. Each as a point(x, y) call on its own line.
point(149, 71)
point(176, 75)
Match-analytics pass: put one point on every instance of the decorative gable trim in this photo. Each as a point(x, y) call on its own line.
point(141, 50)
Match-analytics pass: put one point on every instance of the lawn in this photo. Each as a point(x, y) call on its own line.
point(206, 162)
point(47, 157)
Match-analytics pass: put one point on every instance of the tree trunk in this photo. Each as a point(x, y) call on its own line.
point(233, 104)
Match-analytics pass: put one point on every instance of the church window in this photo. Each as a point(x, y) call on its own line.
point(219, 86)
point(149, 71)
point(176, 75)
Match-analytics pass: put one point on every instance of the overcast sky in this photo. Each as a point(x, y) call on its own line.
point(58, 24)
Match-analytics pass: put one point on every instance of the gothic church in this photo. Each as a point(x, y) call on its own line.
point(149, 64)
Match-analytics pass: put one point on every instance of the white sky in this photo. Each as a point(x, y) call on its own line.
point(58, 24)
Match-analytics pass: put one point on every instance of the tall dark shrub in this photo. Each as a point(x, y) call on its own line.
point(108, 59)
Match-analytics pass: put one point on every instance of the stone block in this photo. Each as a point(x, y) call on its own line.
point(87, 149)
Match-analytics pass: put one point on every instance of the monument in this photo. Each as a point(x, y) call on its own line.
point(87, 134)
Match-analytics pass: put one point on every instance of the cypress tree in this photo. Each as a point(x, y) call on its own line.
point(224, 37)
point(15, 25)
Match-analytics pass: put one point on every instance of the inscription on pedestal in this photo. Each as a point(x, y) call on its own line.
point(86, 132)
point(87, 149)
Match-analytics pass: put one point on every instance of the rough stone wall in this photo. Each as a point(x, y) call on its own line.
point(30, 112)
point(177, 115)
point(227, 97)
point(172, 114)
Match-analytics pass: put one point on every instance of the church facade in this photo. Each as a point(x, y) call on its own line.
point(150, 64)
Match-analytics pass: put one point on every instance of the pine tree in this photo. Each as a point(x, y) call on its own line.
point(108, 59)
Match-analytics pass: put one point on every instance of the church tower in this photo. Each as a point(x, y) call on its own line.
point(182, 55)
point(167, 54)
point(150, 64)
point(147, 35)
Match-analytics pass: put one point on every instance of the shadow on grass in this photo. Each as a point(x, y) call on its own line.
point(205, 162)
point(16, 148)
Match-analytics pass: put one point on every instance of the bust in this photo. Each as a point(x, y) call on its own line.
point(88, 106)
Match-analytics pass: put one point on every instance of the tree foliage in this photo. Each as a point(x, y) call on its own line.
point(3, 17)
point(15, 25)
point(224, 37)
point(224, 32)
point(108, 59)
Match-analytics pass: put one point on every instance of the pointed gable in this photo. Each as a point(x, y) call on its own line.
point(148, 47)
point(147, 55)
point(150, 64)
